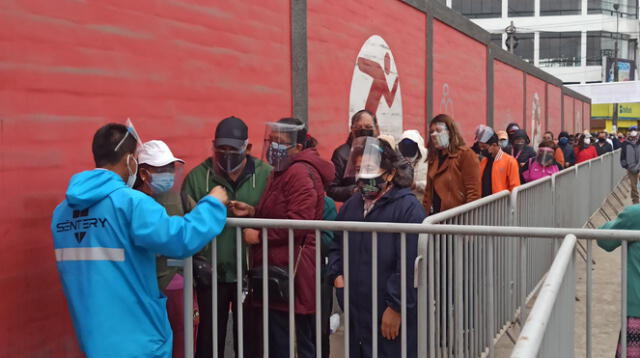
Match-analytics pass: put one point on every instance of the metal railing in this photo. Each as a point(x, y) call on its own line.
point(549, 331)
point(476, 267)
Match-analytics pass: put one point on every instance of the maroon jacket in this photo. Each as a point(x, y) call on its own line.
point(296, 193)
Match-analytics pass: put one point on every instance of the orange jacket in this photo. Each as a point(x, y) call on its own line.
point(559, 157)
point(505, 173)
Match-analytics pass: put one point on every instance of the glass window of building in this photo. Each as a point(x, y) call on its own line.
point(602, 43)
point(521, 7)
point(560, 7)
point(628, 8)
point(478, 8)
point(559, 49)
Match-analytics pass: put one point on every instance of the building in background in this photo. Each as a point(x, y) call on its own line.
point(573, 40)
point(567, 38)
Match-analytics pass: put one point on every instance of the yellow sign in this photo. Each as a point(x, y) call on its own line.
point(626, 111)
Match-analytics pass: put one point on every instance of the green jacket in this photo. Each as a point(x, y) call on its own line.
point(629, 219)
point(175, 205)
point(199, 183)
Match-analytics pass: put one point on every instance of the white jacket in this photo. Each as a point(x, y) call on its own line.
point(420, 165)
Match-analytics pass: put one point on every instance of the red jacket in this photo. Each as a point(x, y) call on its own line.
point(584, 154)
point(296, 193)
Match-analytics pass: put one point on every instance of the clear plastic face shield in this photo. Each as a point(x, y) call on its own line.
point(132, 163)
point(545, 156)
point(484, 133)
point(364, 160)
point(229, 159)
point(279, 140)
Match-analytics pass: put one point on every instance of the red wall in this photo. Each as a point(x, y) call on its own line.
point(568, 114)
point(335, 40)
point(554, 109)
point(177, 68)
point(459, 62)
point(174, 68)
point(586, 116)
point(508, 95)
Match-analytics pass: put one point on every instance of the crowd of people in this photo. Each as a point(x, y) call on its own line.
point(126, 300)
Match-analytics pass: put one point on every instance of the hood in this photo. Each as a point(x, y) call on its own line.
point(324, 167)
point(563, 134)
point(415, 136)
point(521, 133)
point(87, 188)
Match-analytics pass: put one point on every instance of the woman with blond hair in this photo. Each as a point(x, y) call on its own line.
point(453, 178)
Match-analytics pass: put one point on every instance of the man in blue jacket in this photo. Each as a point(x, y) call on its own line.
point(106, 238)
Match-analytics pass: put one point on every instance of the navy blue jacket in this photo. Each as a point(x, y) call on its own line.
point(398, 206)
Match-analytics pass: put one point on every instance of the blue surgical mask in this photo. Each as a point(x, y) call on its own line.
point(563, 140)
point(278, 156)
point(161, 182)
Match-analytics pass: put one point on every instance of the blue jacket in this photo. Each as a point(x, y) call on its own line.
point(397, 206)
point(106, 237)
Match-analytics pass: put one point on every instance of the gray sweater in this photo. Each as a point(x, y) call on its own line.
point(630, 156)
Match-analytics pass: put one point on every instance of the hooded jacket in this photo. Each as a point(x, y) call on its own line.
point(106, 237)
point(296, 193)
point(420, 165)
point(524, 154)
point(630, 156)
point(397, 206)
point(249, 189)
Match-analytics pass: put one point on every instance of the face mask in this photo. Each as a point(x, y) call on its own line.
point(161, 182)
point(485, 153)
point(518, 146)
point(278, 156)
point(587, 141)
point(602, 140)
point(563, 140)
point(364, 133)
point(441, 139)
point(131, 180)
point(371, 188)
point(408, 149)
point(504, 143)
point(230, 162)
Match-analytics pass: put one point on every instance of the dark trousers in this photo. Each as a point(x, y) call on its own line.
point(252, 346)
point(279, 334)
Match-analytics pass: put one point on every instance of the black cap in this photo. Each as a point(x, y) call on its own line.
point(231, 131)
point(563, 134)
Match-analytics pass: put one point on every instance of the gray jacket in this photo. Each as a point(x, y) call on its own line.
point(630, 156)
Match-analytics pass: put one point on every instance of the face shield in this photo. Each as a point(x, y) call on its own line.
point(364, 160)
point(131, 131)
point(279, 139)
point(545, 156)
point(484, 133)
point(229, 159)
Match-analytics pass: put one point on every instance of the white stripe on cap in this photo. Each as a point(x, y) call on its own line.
point(90, 254)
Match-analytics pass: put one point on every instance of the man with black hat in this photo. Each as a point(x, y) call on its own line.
point(564, 143)
point(499, 170)
point(244, 177)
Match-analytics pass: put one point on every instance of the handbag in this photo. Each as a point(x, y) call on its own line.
point(277, 281)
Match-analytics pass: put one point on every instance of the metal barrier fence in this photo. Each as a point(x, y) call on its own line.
point(472, 279)
point(549, 331)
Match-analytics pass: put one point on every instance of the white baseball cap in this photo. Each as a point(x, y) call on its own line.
point(157, 154)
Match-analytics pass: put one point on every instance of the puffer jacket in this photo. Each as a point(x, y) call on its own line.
point(296, 193)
